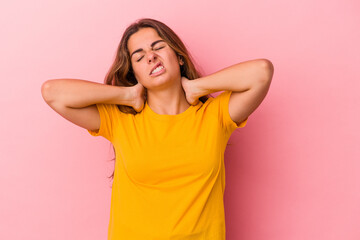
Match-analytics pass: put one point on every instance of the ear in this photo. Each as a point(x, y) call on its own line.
point(181, 62)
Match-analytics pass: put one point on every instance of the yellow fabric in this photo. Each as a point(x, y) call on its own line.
point(169, 178)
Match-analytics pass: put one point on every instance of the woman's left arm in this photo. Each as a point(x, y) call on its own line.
point(249, 82)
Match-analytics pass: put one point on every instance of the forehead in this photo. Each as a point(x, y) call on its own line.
point(142, 38)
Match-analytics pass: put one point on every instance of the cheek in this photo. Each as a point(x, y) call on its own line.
point(140, 74)
point(173, 60)
point(138, 71)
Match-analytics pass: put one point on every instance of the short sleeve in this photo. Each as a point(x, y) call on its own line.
point(107, 114)
point(223, 101)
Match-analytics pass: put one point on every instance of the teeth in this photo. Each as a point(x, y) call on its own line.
point(157, 69)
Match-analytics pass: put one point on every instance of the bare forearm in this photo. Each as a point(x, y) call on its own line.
point(238, 78)
point(77, 93)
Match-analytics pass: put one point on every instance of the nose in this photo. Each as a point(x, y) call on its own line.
point(151, 56)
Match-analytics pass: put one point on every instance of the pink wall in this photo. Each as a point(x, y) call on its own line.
point(292, 172)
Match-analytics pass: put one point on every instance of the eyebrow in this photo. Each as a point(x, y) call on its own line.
point(140, 49)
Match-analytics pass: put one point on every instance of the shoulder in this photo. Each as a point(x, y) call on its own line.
point(214, 104)
point(219, 99)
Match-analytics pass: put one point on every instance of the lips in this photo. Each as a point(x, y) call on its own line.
point(158, 64)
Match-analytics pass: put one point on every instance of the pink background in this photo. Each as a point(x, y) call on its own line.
point(292, 172)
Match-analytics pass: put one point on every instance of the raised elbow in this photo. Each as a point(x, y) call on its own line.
point(46, 90)
point(267, 70)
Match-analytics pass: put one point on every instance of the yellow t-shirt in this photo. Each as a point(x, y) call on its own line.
point(169, 177)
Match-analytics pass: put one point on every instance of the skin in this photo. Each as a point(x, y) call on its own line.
point(170, 94)
point(165, 93)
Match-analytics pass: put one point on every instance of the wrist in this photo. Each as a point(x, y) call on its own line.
point(125, 96)
point(201, 86)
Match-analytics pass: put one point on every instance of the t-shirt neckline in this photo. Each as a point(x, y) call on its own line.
point(153, 114)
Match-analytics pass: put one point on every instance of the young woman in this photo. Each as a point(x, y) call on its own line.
point(168, 133)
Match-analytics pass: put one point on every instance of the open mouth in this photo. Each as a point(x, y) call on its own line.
point(159, 68)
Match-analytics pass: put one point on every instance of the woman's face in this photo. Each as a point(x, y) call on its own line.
point(147, 49)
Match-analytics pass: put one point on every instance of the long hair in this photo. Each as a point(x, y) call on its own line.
point(121, 72)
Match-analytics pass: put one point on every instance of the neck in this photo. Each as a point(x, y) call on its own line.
point(169, 101)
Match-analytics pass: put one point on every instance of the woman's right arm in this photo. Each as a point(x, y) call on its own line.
point(75, 99)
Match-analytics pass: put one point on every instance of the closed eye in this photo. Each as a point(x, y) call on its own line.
point(143, 56)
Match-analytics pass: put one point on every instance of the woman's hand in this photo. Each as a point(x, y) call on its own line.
point(139, 93)
point(192, 92)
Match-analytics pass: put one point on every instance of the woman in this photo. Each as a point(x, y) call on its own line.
point(169, 135)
